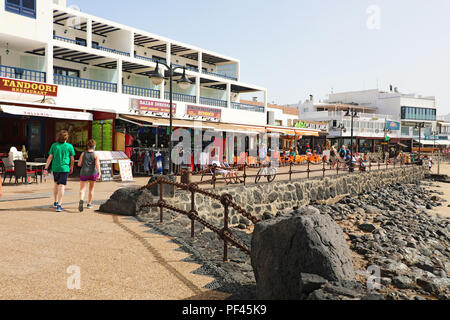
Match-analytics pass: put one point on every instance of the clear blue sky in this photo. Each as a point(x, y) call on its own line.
point(297, 47)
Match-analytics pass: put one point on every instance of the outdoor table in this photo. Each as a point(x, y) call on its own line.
point(37, 165)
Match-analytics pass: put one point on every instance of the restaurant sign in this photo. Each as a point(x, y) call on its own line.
point(20, 86)
point(153, 106)
point(198, 111)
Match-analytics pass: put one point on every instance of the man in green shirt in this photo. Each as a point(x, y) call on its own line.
point(62, 157)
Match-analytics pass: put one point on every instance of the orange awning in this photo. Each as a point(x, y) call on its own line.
point(288, 132)
point(306, 133)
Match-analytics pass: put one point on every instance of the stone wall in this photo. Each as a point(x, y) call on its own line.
point(267, 200)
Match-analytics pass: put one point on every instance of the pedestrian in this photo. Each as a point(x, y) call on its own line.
point(430, 164)
point(90, 173)
point(62, 158)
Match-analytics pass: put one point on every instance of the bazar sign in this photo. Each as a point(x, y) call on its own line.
point(393, 125)
point(153, 106)
point(197, 111)
point(20, 86)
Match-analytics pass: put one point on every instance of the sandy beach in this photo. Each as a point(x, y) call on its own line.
point(442, 187)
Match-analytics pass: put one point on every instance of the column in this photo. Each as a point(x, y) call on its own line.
point(238, 71)
point(119, 76)
point(169, 53)
point(132, 44)
point(162, 87)
point(200, 62)
point(197, 89)
point(265, 100)
point(229, 95)
point(89, 33)
point(49, 63)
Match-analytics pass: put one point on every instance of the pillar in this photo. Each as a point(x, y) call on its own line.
point(229, 95)
point(265, 100)
point(119, 75)
point(197, 89)
point(89, 33)
point(132, 44)
point(169, 53)
point(49, 63)
point(200, 62)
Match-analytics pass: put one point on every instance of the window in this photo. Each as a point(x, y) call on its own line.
point(424, 114)
point(66, 72)
point(23, 7)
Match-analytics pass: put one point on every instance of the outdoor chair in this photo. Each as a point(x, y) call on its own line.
point(21, 172)
point(8, 169)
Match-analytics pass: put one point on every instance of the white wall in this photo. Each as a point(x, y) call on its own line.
point(368, 97)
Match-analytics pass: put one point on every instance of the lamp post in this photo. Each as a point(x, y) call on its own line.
point(353, 114)
point(184, 83)
point(420, 126)
point(342, 128)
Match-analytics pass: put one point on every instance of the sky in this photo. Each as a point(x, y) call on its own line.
point(295, 48)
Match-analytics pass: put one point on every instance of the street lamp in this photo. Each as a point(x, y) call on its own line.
point(343, 130)
point(184, 83)
point(354, 114)
point(420, 126)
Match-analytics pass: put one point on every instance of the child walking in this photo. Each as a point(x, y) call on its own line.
point(90, 173)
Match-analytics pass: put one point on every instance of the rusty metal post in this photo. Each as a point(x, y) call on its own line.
point(225, 227)
point(214, 177)
point(309, 170)
point(245, 173)
point(192, 212)
point(161, 199)
point(290, 171)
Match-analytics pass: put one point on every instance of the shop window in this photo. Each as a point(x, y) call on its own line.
point(66, 72)
point(23, 7)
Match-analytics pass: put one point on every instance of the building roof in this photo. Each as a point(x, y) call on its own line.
point(285, 109)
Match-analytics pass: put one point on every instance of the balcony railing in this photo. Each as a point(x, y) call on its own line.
point(247, 107)
point(85, 83)
point(145, 58)
point(213, 102)
point(78, 42)
point(220, 75)
point(142, 92)
point(123, 53)
point(180, 97)
point(23, 74)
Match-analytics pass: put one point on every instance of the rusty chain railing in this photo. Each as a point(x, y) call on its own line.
point(338, 166)
point(226, 200)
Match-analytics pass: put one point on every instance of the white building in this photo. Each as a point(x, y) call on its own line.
point(99, 70)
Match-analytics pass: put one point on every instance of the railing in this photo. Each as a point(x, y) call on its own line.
point(143, 92)
point(23, 74)
point(213, 102)
point(85, 83)
point(247, 107)
point(78, 42)
point(98, 47)
point(180, 97)
point(226, 200)
point(322, 166)
point(220, 75)
point(145, 58)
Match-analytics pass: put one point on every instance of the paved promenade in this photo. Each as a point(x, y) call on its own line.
point(118, 257)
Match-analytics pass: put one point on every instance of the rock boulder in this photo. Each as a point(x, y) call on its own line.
point(126, 202)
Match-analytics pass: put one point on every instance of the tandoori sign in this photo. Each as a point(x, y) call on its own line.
point(20, 86)
point(153, 106)
point(198, 111)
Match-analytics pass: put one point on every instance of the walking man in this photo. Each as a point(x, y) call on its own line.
point(62, 158)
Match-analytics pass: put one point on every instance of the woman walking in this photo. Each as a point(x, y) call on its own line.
point(90, 173)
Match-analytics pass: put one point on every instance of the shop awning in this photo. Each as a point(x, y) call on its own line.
point(433, 143)
point(47, 113)
point(164, 122)
point(288, 132)
point(307, 133)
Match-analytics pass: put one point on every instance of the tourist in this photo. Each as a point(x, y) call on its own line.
point(62, 158)
point(430, 164)
point(232, 174)
point(343, 152)
point(90, 173)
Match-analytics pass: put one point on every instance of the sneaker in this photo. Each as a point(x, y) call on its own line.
point(81, 206)
point(90, 206)
point(59, 209)
point(55, 205)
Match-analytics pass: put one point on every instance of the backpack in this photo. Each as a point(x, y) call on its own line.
point(342, 154)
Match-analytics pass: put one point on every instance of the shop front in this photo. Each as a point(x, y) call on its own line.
point(36, 127)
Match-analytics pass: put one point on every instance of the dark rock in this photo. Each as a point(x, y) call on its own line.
point(283, 248)
point(403, 282)
point(168, 190)
point(126, 202)
point(367, 227)
point(310, 282)
point(273, 197)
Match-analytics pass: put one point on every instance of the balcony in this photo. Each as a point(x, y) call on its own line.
point(247, 107)
point(85, 83)
point(213, 102)
point(180, 97)
point(98, 47)
point(220, 75)
point(78, 42)
point(142, 92)
point(22, 74)
point(145, 58)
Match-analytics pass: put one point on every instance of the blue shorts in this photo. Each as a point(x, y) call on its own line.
point(61, 178)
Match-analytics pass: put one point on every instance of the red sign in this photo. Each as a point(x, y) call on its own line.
point(153, 106)
point(20, 86)
point(197, 111)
